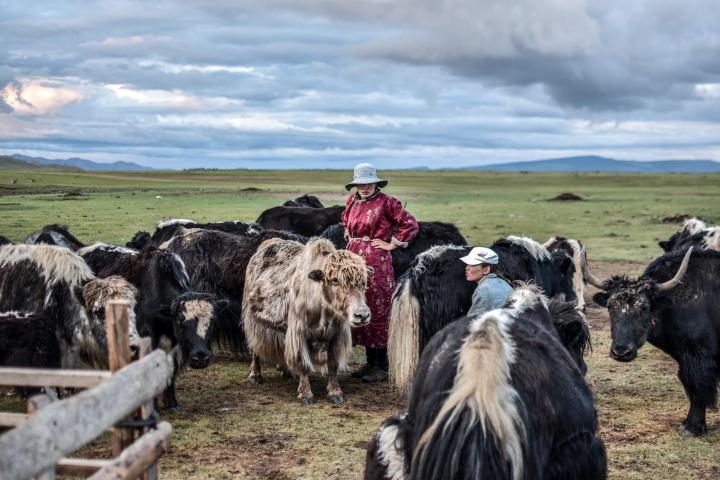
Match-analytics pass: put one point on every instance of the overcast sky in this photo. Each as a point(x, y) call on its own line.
point(330, 83)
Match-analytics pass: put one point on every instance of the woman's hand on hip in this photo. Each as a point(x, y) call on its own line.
point(387, 246)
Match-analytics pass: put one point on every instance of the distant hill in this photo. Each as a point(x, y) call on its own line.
point(80, 163)
point(601, 164)
point(10, 163)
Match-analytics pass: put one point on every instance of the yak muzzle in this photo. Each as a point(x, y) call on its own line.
point(623, 353)
point(360, 319)
point(200, 358)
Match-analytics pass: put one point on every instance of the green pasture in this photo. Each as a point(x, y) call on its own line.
point(619, 218)
point(227, 429)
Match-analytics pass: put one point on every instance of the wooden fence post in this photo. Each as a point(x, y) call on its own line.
point(147, 411)
point(35, 403)
point(117, 314)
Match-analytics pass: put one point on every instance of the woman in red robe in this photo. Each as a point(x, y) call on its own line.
point(375, 224)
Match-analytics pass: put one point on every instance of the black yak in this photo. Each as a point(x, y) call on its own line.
point(495, 396)
point(434, 292)
point(675, 306)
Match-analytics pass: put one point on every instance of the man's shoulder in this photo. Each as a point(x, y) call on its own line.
point(493, 282)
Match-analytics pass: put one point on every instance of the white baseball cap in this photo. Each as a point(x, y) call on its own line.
point(479, 255)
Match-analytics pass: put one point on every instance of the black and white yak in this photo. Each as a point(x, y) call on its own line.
point(675, 306)
point(43, 283)
point(495, 396)
point(574, 249)
point(167, 310)
point(55, 234)
point(429, 235)
point(434, 292)
point(695, 233)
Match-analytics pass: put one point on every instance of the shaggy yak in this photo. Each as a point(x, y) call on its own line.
point(55, 235)
point(694, 232)
point(495, 396)
point(675, 306)
point(298, 309)
point(434, 292)
point(52, 284)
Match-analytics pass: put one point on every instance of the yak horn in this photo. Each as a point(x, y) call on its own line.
point(675, 281)
point(589, 277)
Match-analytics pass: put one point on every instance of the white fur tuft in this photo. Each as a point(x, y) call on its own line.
point(539, 252)
point(105, 247)
point(403, 337)
point(432, 253)
point(56, 264)
point(390, 453)
point(174, 221)
point(693, 225)
point(712, 238)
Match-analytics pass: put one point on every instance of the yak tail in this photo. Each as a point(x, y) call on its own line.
point(403, 337)
point(578, 278)
point(482, 396)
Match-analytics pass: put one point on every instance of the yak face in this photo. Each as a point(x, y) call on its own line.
point(632, 306)
point(194, 319)
point(344, 278)
point(140, 240)
point(571, 327)
point(565, 269)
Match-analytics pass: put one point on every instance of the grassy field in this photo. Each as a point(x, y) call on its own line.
point(227, 429)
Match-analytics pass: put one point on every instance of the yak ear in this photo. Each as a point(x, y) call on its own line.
point(664, 245)
point(572, 331)
point(316, 275)
point(601, 298)
point(370, 271)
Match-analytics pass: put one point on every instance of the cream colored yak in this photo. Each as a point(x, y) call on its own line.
point(299, 304)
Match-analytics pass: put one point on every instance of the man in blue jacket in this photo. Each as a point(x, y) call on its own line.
point(492, 291)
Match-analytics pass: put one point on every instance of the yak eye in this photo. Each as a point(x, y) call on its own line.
point(335, 281)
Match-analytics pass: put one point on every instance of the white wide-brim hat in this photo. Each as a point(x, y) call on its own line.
point(480, 255)
point(363, 174)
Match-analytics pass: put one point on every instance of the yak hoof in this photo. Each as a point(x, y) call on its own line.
point(686, 432)
point(305, 401)
point(336, 399)
point(254, 379)
point(290, 375)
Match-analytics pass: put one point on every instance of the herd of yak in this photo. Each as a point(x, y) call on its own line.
point(501, 395)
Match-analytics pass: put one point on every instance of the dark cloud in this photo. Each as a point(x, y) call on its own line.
point(332, 82)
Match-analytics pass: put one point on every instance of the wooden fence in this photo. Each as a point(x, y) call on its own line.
point(52, 429)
